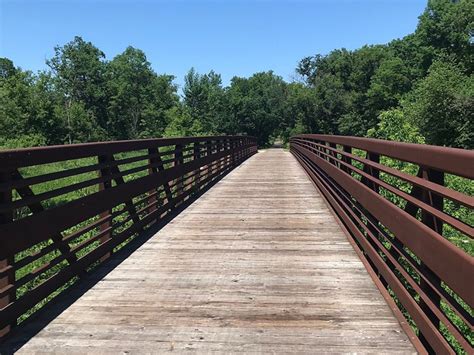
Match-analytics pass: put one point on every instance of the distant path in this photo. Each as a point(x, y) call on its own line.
point(257, 264)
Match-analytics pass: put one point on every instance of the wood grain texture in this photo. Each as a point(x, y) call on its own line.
point(257, 264)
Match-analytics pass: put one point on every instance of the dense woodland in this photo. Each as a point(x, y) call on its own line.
point(419, 89)
point(416, 89)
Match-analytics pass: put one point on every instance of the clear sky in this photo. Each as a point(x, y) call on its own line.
point(233, 37)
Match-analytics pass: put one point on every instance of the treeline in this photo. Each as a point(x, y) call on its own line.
point(418, 89)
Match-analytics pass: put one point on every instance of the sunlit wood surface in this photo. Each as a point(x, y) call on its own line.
point(257, 264)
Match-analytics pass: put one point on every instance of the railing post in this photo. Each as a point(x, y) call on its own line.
point(373, 157)
point(241, 151)
point(371, 171)
point(208, 154)
point(318, 149)
point(7, 270)
point(160, 168)
point(219, 160)
point(236, 151)
point(153, 170)
point(106, 184)
point(230, 159)
point(436, 224)
point(197, 156)
point(226, 150)
point(233, 153)
point(178, 160)
point(334, 154)
point(347, 149)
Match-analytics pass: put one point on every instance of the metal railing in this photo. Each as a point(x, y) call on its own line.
point(64, 209)
point(411, 224)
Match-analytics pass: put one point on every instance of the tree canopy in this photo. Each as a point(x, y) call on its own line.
point(423, 81)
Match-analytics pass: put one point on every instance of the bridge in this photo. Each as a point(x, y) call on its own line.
point(340, 244)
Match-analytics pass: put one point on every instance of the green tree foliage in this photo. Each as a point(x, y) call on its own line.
point(447, 27)
point(256, 104)
point(300, 113)
point(423, 81)
point(78, 123)
point(84, 98)
point(137, 98)
point(26, 108)
point(79, 69)
point(203, 95)
point(394, 126)
point(182, 123)
point(441, 105)
point(353, 88)
point(388, 84)
point(74, 93)
point(15, 95)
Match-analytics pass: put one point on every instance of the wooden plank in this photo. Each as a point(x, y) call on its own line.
point(257, 264)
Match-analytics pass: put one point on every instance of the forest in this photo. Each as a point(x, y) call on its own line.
point(419, 88)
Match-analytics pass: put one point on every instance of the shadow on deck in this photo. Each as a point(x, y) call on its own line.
point(257, 264)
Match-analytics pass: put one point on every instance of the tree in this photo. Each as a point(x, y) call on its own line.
point(441, 106)
point(138, 97)
point(7, 69)
point(446, 26)
point(204, 95)
point(342, 80)
point(300, 113)
point(388, 84)
point(255, 105)
point(78, 69)
point(422, 82)
point(78, 123)
point(27, 107)
point(182, 124)
point(394, 126)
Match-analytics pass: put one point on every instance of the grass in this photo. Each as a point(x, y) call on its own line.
point(462, 213)
point(30, 275)
point(457, 238)
point(460, 240)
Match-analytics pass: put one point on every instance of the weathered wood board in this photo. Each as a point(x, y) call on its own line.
point(257, 264)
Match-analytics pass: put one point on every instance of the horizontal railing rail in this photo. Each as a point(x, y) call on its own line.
point(408, 209)
point(66, 209)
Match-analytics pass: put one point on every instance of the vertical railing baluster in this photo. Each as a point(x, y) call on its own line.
point(223, 149)
point(196, 157)
point(210, 152)
point(373, 157)
point(178, 160)
point(436, 224)
point(166, 186)
point(153, 169)
point(334, 154)
point(7, 269)
point(234, 152)
point(346, 149)
point(241, 143)
point(105, 184)
point(229, 152)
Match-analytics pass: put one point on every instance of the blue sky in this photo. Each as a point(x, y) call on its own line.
point(233, 37)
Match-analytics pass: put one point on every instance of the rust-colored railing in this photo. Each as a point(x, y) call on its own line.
point(408, 210)
point(65, 209)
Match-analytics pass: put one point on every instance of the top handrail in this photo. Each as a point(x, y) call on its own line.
point(23, 157)
point(450, 160)
point(60, 220)
point(409, 223)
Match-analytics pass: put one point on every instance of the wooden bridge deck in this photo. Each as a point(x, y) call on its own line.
point(257, 264)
